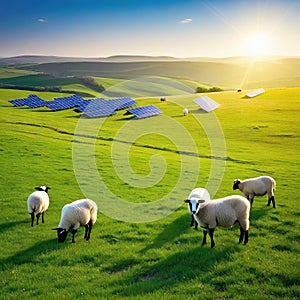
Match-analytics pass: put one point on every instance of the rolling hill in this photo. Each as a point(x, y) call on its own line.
point(282, 72)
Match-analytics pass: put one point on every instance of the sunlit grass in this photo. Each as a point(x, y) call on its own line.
point(162, 259)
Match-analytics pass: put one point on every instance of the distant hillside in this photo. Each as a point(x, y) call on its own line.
point(37, 59)
point(223, 74)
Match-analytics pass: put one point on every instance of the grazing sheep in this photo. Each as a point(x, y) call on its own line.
point(224, 212)
point(196, 194)
point(78, 213)
point(38, 202)
point(185, 112)
point(258, 186)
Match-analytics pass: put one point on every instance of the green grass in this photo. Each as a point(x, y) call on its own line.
point(162, 259)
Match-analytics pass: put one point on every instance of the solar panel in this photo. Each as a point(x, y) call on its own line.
point(35, 101)
point(19, 102)
point(65, 102)
point(255, 93)
point(144, 111)
point(98, 108)
point(31, 101)
point(206, 103)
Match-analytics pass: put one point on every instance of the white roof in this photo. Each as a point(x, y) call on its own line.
point(255, 92)
point(206, 103)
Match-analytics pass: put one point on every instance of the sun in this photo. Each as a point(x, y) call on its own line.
point(258, 45)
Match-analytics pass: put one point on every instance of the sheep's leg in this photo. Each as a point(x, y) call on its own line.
point(251, 199)
point(73, 235)
point(204, 237)
point(193, 220)
point(37, 218)
point(246, 237)
point(273, 201)
point(242, 234)
point(211, 234)
point(86, 231)
point(43, 221)
point(32, 218)
point(90, 226)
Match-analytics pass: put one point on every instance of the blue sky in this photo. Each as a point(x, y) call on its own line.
point(188, 28)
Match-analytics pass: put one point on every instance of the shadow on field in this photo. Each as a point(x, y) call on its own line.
point(171, 232)
point(30, 255)
point(167, 271)
point(11, 225)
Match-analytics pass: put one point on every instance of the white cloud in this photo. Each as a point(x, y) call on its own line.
point(186, 21)
point(42, 20)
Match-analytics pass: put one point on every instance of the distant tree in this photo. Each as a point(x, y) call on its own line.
point(201, 89)
point(215, 89)
point(90, 82)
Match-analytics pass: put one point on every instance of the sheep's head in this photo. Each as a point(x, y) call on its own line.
point(61, 234)
point(236, 184)
point(43, 188)
point(194, 204)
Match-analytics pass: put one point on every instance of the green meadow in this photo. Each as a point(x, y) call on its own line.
point(141, 161)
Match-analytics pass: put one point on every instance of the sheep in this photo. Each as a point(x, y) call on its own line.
point(196, 194)
point(258, 186)
point(185, 111)
point(38, 202)
point(78, 213)
point(224, 212)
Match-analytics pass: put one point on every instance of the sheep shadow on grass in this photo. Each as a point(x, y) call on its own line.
point(29, 255)
point(187, 261)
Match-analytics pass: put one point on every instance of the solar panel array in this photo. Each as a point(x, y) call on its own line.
point(31, 101)
point(144, 111)
point(97, 107)
point(206, 103)
point(65, 102)
point(102, 108)
point(255, 93)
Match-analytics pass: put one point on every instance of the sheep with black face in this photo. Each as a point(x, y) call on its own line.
point(258, 186)
point(78, 213)
point(224, 212)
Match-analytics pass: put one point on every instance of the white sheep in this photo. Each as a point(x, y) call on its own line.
point(185, 112)
point(197, 194)
point(38, 202)
point(258, 186)
point(224, 212)
point(78, 213)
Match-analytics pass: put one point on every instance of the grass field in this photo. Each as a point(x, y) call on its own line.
point(162, 259)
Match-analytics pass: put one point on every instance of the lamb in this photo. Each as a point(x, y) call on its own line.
point(78, 213)
point(38, 202)
point(258, 186)
point(197, 194)
point(224, 212)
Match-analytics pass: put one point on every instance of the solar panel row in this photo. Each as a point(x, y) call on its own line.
point(102, 108)
point(206, 103)
point(65, 102)
point(145, 111)
point(97, 107)
point(255, 93)
point(31, 101)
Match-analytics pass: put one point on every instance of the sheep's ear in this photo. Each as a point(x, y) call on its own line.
point(55, 228)
point(37, 188)
point(187, 201)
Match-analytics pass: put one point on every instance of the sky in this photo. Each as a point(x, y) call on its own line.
point(188, 28)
